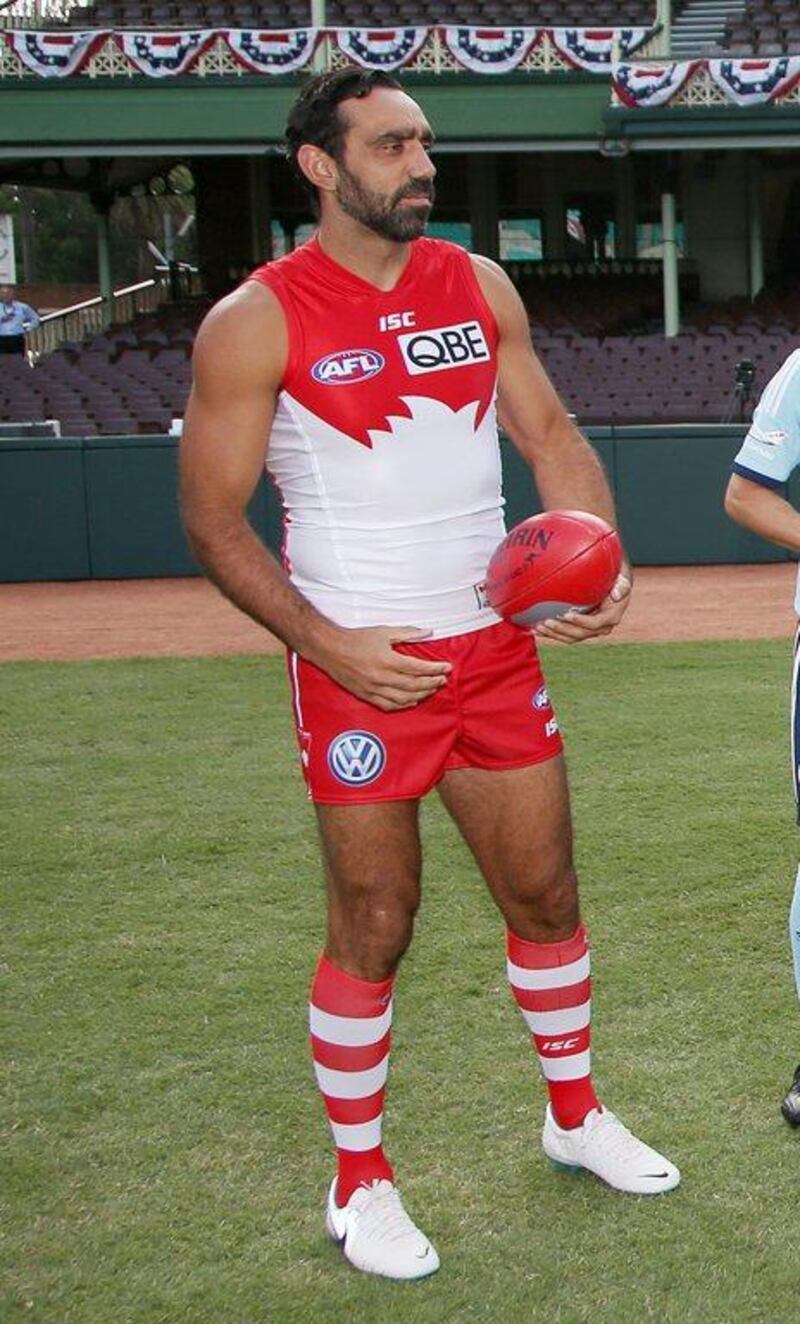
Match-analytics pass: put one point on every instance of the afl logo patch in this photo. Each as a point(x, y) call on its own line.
point(541, 699)
point(457, 346)
point(348, 366)
point(356, 758)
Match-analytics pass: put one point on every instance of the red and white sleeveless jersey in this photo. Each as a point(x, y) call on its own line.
point(384, 442)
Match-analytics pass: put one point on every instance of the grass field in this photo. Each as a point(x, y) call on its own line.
point(166, 1156)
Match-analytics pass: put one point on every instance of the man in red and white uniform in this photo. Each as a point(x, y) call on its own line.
point(369, 368)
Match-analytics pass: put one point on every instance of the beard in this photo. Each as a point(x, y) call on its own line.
point(384, 214)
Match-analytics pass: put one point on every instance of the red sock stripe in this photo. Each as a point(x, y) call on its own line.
point(340, 1058)
point(341, 994)
point(552, 999)
point(362, 1166)
point(546, 955)
point(353, 1111)
point(568, 1044)
point(571, 1100)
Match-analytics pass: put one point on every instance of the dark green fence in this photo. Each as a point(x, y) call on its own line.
point(106, 507)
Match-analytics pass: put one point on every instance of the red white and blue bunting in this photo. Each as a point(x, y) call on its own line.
point(380, 48)
point(600, 51)
point(272, 52)
point(490, 50)
point(163, 54)
point(54, 54)
point(593, 49)
point(645, 85)
point(752, 82)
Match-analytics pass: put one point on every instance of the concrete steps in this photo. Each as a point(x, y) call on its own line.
point(699, 27)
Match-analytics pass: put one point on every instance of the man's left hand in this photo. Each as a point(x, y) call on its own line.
point(577, 626)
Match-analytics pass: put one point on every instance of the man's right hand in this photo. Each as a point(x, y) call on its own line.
point(365, 662)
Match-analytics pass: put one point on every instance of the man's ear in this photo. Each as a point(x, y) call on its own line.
point(318, 167)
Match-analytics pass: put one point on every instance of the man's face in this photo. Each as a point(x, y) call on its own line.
point(6, 294)
point(385, 175)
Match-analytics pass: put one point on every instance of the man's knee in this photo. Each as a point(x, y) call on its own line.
point(543, 905)
point(373, 928)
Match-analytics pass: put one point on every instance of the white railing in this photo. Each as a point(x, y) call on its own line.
point(81, 320)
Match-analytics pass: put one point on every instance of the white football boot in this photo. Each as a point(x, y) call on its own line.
point(377, 1235)
point(605, 1147)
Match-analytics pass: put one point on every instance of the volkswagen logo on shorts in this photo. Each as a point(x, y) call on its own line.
point(356, 758)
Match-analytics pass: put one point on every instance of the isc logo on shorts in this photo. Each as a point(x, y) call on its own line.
point(347, 366)
point(456, 346)
point(356, 758)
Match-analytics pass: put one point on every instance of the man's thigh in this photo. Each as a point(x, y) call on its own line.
point(372, 863)
point(517, 823)
point(370, 846)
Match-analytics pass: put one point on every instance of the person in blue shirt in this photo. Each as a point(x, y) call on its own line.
point(754, 498)
point(16, 318)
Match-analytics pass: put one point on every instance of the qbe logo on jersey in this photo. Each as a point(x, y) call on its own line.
point(356, 758)
point(457, 346)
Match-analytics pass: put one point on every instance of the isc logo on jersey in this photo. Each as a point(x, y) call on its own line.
point(347, 366)
point(457, 346)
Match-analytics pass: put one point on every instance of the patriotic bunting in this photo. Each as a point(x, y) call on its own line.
point(273, 52)
point(489, 50)
point(163, 54)
point(604, 51)
point(751, 82)
point(646, 85)
point(594, 49)
point(382, 48)
point(54, 54)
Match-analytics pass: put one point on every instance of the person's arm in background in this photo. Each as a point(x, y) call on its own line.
point(32, 318)
point(770, 451)
point(763, 510)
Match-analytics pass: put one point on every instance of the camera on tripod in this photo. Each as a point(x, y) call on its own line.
point(744, 375)
point(743, 393)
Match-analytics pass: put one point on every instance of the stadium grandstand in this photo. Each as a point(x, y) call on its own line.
point(631, 163)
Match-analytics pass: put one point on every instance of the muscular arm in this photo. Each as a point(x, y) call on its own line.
point(764, 511)
point(567, 470)
point(239, 359)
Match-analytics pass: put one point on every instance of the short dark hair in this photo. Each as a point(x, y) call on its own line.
point(314, 117)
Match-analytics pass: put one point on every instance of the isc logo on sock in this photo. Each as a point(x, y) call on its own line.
point(559, 1045)
point(442, 347)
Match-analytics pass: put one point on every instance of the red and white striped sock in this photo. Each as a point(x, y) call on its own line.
point(350, 1022)
point(550, 982)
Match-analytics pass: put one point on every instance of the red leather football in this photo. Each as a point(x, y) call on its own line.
point(559, 561)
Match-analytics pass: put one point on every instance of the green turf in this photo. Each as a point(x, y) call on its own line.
point(165, 1154)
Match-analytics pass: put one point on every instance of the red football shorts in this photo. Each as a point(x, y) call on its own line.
point(494, 712)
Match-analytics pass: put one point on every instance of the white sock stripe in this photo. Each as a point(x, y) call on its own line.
point(357, 1137)
point(565, 1021)
point(349, 1031)
point(352, 1084)
point(557, 976)
point(574, 1067)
